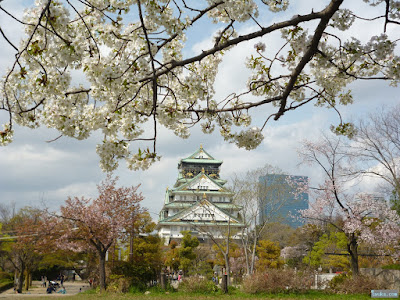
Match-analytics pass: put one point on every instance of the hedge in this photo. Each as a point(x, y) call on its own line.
point(5, 285)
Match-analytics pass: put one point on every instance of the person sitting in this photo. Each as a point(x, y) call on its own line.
point(50, 289)
point(62, 291)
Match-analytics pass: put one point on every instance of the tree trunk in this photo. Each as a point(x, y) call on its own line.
point(253, 252)
point(352, 247)
point(102, 270)
point(224, 283)
point(21, 277)
point(27, 280)
point(131, 247)
point(227, 268)
point(226, 256)
point(163, 280)
point(253, 255)
point(80, 274)
point(246, 252)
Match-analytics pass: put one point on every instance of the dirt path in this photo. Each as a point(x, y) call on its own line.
point(71, 288)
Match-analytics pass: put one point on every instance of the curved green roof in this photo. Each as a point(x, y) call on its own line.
point(206, 159)
point(201, 161)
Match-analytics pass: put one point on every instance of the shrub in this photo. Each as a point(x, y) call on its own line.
point(4, 276)
point(157, 289)
point(348, 284)
point(136, 289)
point(197, 284)
point(392, 267)
point(278, 281)
point(338, 280)
point(138, 272)
point(203, 268)
point(119, 283)
point(5, 285)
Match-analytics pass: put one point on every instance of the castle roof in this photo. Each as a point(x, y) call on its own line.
point(201, 180)
point(202, 212)
point(201, 156)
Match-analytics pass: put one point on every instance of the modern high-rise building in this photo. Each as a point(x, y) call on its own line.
point(281, 197)
point(199, 202)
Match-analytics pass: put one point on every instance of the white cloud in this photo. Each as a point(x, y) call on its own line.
point(32, 170)
point(53, 198)
point(37, 156)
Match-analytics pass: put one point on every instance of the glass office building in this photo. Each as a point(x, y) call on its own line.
point(281, 197)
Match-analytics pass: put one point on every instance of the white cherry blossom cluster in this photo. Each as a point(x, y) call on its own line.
point(142, 160)
point(331, 72)
point(393, 70)
point(394, 6)
point(260, 46)
point(110, 151)
point(239, 10)
point(394, 12)
point(346, 129)
point(248, 139)
point(381, 47)
point(259, 81)
point(242, 119)
point(208, 127)
point(343, 19)
point(299, 41)
point(277, 5)
point(6, 135)
point(136, 71)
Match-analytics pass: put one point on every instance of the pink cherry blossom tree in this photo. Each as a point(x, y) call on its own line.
point(98, 223)
point(363, 218)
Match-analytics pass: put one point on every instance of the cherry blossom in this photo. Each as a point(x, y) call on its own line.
point(138, 72)
point(97, 223)
point(364, 218)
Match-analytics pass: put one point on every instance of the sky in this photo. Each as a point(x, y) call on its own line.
point(37, 173)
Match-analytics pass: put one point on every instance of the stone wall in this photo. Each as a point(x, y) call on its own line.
point(391, 276)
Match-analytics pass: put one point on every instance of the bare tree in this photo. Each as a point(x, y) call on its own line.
point(375, 148)
point(219, 226)
point(7, 212)
point(259, 208)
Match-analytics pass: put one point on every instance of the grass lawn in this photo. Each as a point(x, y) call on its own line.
point(91, 295)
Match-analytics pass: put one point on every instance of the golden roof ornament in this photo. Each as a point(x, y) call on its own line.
point(202, 170)
point(204, 196)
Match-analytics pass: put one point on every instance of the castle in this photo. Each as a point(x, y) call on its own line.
point(199, 202)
